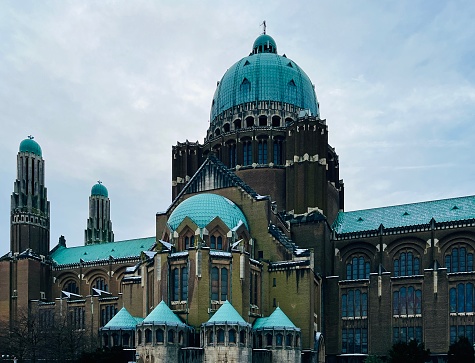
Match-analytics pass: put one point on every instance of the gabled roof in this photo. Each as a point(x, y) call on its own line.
point(121, 321)
point(62, 255)
point(406, 215)
point(224, 178)
point(277, 319)
point(162, 314)
point(226, 314)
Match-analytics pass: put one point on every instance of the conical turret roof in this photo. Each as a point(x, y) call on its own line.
point(121, 321)
point(226, 314)
point(162, 314)
point(277, 319)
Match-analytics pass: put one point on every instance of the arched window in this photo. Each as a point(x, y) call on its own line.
point(232, 336)
point(262, 120)
point(357, 268)
point(224, 284)
point(180, 338)
point(249, 121)
point(279, 340)
point(242, 337)
point(269, 340)
point(275, 121)
point(184, 284)
point(189, 241)
point(459, 259)
point(259, 341)
point(262, 151)
point(288, 340)
point(171, 336)
point(100, 284)
point(237, 124)
point(461, 298)
point(247, 152)
point(407, 301)
point(71, 286)
point(232, 155)
point(115, 339)
point(148, 336)
point(211, 337)
point(226, 127)
point(354, 303)
point(407, 263)
point(105, 340)
point(159, 335)
point(278, 151)
point(217, 132)
point(126, 340)
point(220, 334)
point(140, 336)
point(216, 242)
point(175, 284)
point(214, 283)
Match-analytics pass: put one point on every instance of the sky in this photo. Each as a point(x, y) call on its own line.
point(107, 87)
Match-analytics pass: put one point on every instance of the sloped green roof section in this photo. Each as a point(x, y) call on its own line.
point(406, 215)
point(121, 321)
point(277, 319)
point(162, 314)
point(203, 208)
point(102, 251)
point(226, 314)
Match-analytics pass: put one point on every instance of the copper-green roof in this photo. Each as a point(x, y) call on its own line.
point(102, 251)
point(203, 208)
point(277, 319)
point(406, 215)
point(264, 76)
point(121, 321)
point(99, 189)
point(162, 314)
point(226, 314)
point(30, 146)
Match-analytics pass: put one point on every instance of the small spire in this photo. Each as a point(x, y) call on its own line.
point(263, 26)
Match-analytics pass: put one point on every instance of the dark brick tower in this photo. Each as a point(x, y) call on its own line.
point(26, 269)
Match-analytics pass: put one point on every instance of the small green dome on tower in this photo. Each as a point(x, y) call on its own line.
point(100, 190)
point(30, 146)
point(264, 44)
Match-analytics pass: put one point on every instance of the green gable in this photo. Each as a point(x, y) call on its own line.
point(406, 215)
point(102, 251)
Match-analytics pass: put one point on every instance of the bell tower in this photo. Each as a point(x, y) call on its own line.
point(99, 225)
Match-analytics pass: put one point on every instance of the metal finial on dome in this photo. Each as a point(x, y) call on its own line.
point(264, 26)
point(31, 137)
point(99, 182)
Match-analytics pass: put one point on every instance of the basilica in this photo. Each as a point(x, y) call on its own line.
point(255, 259)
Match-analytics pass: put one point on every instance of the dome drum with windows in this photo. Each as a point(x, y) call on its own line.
point(271, 83)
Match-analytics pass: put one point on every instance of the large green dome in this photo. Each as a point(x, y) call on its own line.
point(30, 146)
point(264, 76)
point(99, 190)
point(203, 208)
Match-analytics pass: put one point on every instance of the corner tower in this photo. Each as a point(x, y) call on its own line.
point(30, 214)
point(99, 225)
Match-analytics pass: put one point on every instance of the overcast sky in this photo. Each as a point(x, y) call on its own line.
point(107, 87)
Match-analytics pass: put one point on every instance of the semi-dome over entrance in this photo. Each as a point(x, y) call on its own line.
point(203, 208)
point(264, 76)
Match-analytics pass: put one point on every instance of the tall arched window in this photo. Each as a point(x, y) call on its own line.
point(100, 284)
point(354, 303)
point(214, 283)
point(71, 286)
point(189, 241)
point(262, 151)
point(216, 242)
point(179, 283)
point(461, 298)
point(247, 152)
point(278, 150)
point(232, 155)
point(459, 259)
point(224, 284)
point(407, 263)
point(357, 268)
point(219, 283)
point(159, 334)
point(407, 301)
point(184, 283)
point(175, 284)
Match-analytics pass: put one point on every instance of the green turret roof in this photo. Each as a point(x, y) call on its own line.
point(226, 314)
point(162, 314)
point(100, 190)
point(405, 215)
point(30, 146)
point(203, 208)
point(101, 251)
point(121, 321)
point(277, 319)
